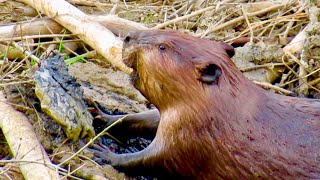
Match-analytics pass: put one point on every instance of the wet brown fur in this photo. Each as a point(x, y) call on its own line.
point(230, 129)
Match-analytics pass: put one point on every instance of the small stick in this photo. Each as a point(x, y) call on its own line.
point(72, 172)
point(4, 172)
point(267, 65)
point(19, 82)
point(303, 87)
point(89, 3)
point(54, 42)
point(37, 36)
point(159, 26)
point(299, 77)
point(315, 81)
point(236, 20)
point(295, 59)
point(270, 86)
point(249, 24)
point(92, 140)
point(261, 23)
point(27, 53)
point(202, 35)
point(284, 77)
point(179, 10)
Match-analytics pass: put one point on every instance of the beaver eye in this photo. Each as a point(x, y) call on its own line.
point(162, 47)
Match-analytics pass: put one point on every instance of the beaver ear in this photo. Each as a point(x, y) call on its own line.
point(209, 73)
point(228, 48)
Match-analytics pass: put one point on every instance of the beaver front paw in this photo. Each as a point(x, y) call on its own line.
point(103, 155)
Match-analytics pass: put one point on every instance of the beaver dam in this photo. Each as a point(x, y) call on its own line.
point(62, 72)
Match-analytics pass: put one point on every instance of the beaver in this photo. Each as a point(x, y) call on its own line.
point(211, 122)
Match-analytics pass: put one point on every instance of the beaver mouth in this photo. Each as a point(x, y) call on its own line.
point(131, 60)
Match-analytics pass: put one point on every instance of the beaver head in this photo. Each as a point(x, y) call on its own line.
point(169, 66)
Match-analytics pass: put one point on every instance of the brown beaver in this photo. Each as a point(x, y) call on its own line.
point(214, 123)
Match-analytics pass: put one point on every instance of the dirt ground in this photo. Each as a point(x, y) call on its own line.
point(259, 33)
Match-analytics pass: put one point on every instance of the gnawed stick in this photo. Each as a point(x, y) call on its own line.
point(43, 26)
point(93, 33)
point(118, 26)
point(24, 145)
point(274, 87)
point(36, 27)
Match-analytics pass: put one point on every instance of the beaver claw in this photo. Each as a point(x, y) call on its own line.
point(107, 118)
point(103, 155)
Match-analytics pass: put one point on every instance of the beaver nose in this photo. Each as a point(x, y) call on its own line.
point(132, 37)
point(127, 39)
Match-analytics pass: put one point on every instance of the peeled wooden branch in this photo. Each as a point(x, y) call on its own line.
point(43, 26)
point(97, 36)
point(24, 145)
point(118, 26)
point(40, 26)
